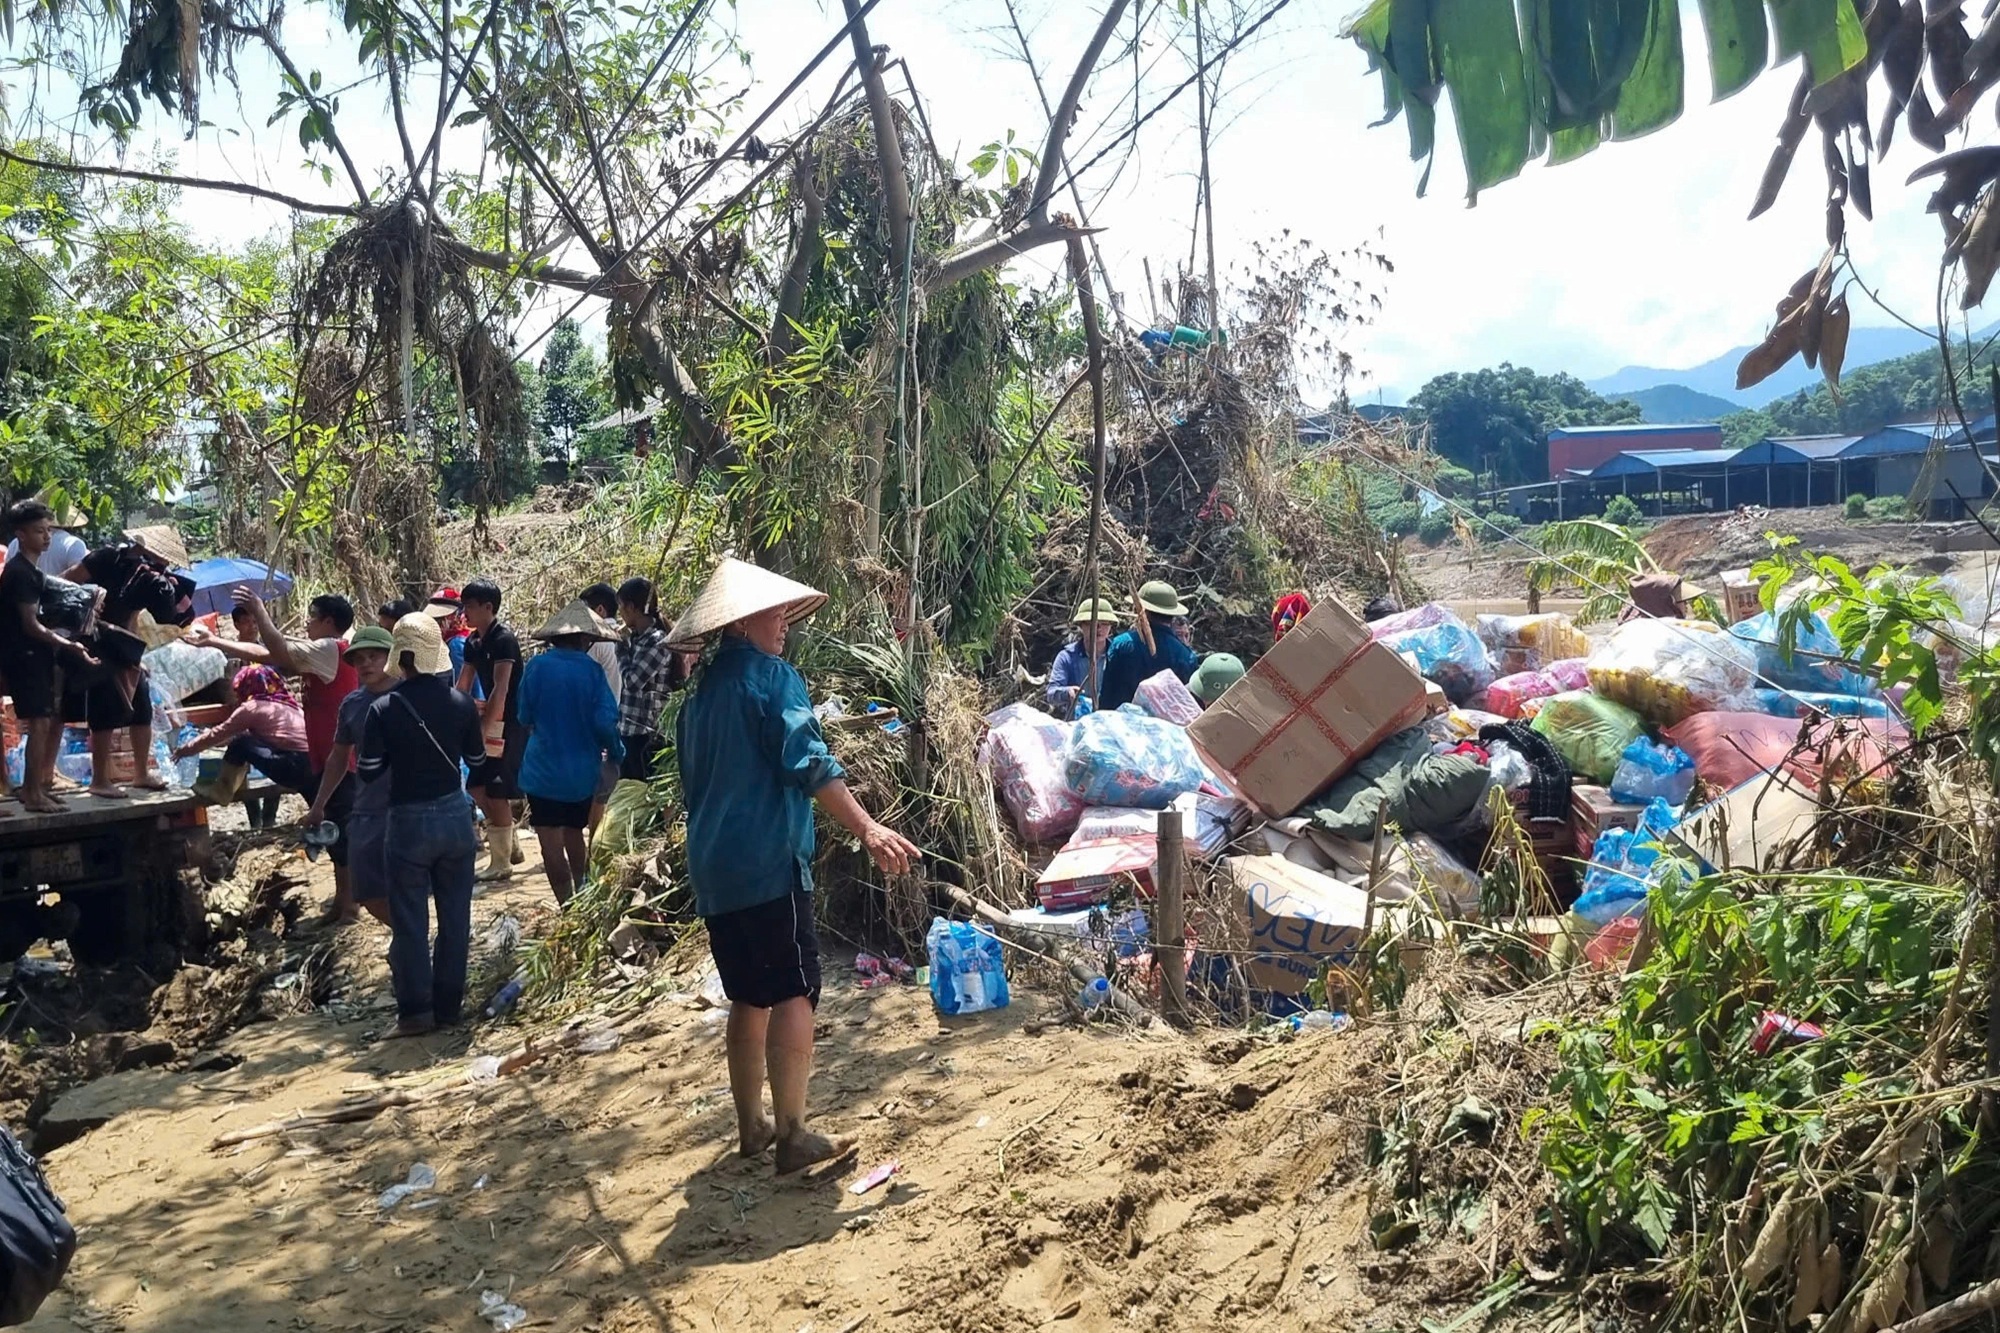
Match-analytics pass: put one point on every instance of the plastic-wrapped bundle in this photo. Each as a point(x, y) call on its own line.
point(1449, 654)
point(1506, 695)
point(1127, 758)
point(1797, 703)
point(1623, 864)
point(1591, 732)
point(1647, 770)
point(1667, 670)
point(1815, 661)
point(1167, 698)
point(1572, 672)
point(1540, 639)
point(968, 974)
point(1026, 761)
point(181, 669)
point(1417, 617)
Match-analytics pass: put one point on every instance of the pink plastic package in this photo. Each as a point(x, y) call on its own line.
point(1417, 617)
point(1570, 674)
point(1026, 761)
point(1506, 695)
point(1165, 697)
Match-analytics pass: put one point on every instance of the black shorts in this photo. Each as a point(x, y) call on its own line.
point(106, 708)
point(31, 683)
point(547, 812)
point(501, 778)
point(640, 752)
point(767, 954)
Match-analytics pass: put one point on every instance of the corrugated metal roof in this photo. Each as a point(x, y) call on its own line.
point(1796, 449)
point(1636, 462)
point(1637, 428)
point(1908, 438)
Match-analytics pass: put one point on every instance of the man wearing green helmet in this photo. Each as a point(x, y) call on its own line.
point(1156, 642)
point(1071, 678)
point(1217, 672)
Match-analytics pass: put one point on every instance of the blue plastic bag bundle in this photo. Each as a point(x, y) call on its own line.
point(967, 972)
point(1622, 867)
point(1646, 771)
point(1797, 703)
point(1450, 654)
point(1816, 661)
point(1127, 758)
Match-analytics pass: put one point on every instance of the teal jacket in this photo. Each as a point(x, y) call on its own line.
point(751, 756)
point(1127, 663)
point(572, 720)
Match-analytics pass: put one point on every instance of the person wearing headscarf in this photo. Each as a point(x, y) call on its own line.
point(1290, 610)
point(571, 717)
point(753, 764)
point(265, 731)
point(1156, 642)
point(1071, 676)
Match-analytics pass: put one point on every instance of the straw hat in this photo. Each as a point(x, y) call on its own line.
point(1160, 598)
point(417, 633)
point(735, 590)
point(162, 541)
point(1094, 608)
point(576, 618)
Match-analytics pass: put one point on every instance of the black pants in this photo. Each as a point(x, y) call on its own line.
point(290, 769)
point(641, 753)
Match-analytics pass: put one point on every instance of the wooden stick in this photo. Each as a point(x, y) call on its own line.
point(1086, 301)
point(1170, 925)
point(1952, 1313)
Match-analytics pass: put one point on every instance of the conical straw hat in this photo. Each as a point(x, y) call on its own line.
point(162, 541)
point(576, 618)
point(737, 589)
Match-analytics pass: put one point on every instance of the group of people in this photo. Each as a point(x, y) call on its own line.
point(1101, 668)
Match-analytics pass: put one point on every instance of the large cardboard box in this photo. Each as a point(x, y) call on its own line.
point(1300, 920)
point(1756, 826)
point(1086, 871)
point(1323, 697)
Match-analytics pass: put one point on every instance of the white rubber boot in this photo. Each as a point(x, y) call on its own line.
point(498, 845)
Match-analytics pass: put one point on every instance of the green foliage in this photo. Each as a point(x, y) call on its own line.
point(1454, 482)
point(1400, 519)
point(1740, 430)
point(572, 391)
point(1598, 559)
point(1498, 420)
point(1496, 526)
point(1889, 507)
point(1435, 527)
point(1624, 511)
point(1856, 506)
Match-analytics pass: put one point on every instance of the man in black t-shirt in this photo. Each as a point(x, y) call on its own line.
point(493, 658)
point(120, 698)
point(28, 652)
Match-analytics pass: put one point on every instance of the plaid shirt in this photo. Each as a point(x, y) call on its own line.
point(645, 666)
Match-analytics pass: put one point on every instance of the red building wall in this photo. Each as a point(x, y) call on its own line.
point(1581, 452)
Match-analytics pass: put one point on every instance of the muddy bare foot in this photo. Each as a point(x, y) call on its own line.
point(806, 1149)
point(410, 1027)
point(753, 1142)
point(109, 793)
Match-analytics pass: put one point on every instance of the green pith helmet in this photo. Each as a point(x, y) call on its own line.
point(1217, 672)
point(1094, 608)
point(1160, 599)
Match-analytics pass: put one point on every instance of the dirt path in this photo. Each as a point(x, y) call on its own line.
point(1052, 1176)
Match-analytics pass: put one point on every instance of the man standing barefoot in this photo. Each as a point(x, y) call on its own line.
point(752, 763)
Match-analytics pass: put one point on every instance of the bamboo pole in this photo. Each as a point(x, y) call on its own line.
point(1086, 300)
point(1170, 919)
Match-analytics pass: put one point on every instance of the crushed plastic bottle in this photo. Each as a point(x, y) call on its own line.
point(1095, 992)
point(498, 1311)
point(483, 1070)
point(1320, 1020)
point(422, 1177)
point(505, 998)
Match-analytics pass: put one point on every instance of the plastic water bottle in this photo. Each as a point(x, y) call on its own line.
point(1320, 1019)
point(505, 998)
point(1095, 992)
point(320, 837)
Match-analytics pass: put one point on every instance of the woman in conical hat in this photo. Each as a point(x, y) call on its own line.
point(572, 720)
point(752, 764)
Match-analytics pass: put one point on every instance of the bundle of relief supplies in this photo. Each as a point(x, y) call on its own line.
point(1801, 654)
point(1127, 758)
point(1623, 867)
point(1799, 703)
point(1666, 670)
point(1417, 617)
point(1647, 771)
point(1531, 643)
point(1511, 695)
point(1591, 732)
point(968, 974)
point(1448, 653)
point(1167, 698)
point(1024, 754)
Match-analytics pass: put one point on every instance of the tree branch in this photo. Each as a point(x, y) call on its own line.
point(1059, 123)
point(977, 259)
point(784, 339)
point(888, 142)
point(589, 136)
point(394, 67)
point(319, 104)
point(434, 149)
point(514, 266)
point(190, 183)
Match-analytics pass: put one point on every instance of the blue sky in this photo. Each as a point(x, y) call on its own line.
point(1639, 253)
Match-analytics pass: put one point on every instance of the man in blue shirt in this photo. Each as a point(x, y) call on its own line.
point(752, 763)
point(1130, 660)
point(1070, 677)
point(572, 721)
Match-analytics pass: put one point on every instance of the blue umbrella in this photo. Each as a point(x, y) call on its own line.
point(213, 580)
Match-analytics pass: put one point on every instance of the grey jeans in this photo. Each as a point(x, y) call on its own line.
point(430, 853)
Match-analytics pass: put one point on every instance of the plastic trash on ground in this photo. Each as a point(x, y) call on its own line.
point(1667, 670)
point(1798, 703)
point(1165, 697)
point(421, 1177)
point(1534, 641)
point(1447, 653)
point(1613, 943)
point(1591, 732)
point(1026, 761)
point(496, 1310)
point(1801, 656)
point(1731, 748)
point(1506, 695)
point(1118, 821)
point(1127, 758)
point(1509, 767)
point(968, 974)
point(1622, 867)
point(1647, 770)
point(1417, 617)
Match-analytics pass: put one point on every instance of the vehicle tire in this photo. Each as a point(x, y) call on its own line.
point(112, 927)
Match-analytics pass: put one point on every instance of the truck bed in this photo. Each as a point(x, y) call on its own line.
point(86, 811)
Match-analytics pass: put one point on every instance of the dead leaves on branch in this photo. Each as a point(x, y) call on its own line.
point(1813, 321)
point(1965, 205)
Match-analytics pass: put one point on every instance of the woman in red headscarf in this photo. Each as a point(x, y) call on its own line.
point(265, 731)
point(1290, 610)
